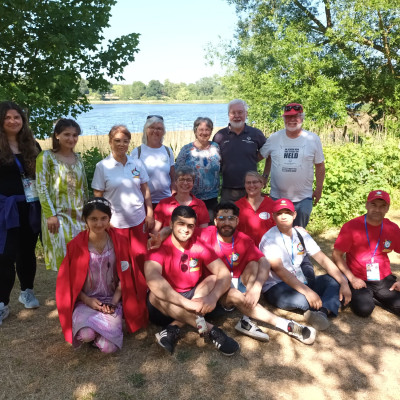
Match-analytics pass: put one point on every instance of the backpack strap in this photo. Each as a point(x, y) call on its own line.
point(139, 151)
point(168, 152)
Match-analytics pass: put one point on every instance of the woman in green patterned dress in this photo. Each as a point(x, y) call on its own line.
point(62, 188)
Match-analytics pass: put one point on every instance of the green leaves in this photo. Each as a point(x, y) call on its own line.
point(327, 55)
point(46, 48)
point(352, 171)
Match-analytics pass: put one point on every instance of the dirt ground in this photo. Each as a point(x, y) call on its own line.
point(354, 358)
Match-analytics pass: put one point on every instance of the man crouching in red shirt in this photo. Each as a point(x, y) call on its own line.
point(366, 241)
point(177, 297)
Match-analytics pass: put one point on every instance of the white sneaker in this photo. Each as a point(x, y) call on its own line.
point(4, 312)
point(249, 328)
point(28, 299)
point(305, 334)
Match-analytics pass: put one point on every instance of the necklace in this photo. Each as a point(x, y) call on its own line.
point(100, 245)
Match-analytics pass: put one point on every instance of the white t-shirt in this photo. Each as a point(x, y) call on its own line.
point(275, 245)
point(121, 186)
point(292, 169)
point(158, 165)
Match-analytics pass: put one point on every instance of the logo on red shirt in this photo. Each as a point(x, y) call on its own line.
point(386, 246)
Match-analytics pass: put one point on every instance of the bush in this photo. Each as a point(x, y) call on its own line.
point(352, 171)
point(90, 158)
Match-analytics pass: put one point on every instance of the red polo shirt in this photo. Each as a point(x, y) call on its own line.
point(163, 211)
point(255, 223)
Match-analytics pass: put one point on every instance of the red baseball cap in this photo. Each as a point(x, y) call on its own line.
point(292, 109)
point(282, 204)
point(379, 194)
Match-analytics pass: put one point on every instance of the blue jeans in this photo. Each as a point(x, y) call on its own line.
point(285, 297)
point(303, 209)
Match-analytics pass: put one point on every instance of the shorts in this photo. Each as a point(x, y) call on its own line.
point(159, 318)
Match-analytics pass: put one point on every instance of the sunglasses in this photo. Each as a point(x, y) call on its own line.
point(229, 218)
point(295, 107)
point(184, 258)
point(155, 116)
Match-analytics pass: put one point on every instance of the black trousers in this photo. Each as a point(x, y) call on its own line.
point(363, 300)
point(19, 256)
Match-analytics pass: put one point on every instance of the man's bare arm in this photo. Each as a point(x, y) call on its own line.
point(319, 181)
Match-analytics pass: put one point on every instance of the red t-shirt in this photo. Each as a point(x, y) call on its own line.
point(165, 207)
point(352, 240)
point(243, 251)
point(183, 270)
point(255, 223)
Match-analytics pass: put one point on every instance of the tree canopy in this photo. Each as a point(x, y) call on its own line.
point(334, 56)
point(46, 47)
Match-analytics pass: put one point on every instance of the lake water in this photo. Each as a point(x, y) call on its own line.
point(177, 117)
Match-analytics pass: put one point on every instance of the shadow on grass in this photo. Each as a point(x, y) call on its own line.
point(354, 357)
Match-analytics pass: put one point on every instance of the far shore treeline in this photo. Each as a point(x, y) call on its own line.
point(207, 88)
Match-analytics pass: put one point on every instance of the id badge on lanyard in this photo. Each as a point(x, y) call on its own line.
point(373, 272)
point(30, 190)
point(28, 184)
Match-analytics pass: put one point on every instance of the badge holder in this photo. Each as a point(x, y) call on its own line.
point(29, 184)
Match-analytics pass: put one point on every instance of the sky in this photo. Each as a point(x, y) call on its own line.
point(174, 35)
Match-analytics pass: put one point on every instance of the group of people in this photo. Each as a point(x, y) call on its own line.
point(155, 243)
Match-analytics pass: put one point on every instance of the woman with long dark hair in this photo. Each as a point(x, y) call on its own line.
point(19, 207)
point(62, 188)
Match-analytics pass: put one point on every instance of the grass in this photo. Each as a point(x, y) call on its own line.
point(355, 358)
point(174, 139)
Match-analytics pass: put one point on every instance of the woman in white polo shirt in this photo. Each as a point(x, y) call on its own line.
point(122, 180)
point(157, 158)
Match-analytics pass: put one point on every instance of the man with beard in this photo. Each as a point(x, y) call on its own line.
point(292, 155)
point(177, 294)
point(249, 270)
point(240, 145)
point(366, 242)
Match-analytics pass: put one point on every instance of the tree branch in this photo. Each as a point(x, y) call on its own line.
point(310, 15)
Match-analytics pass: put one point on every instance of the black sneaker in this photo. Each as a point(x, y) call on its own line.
point(168, 337)
point(225, 344)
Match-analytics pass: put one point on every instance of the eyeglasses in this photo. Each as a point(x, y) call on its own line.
point(155, 116)
point(184, 258)
point(187, 180)
point(229, 218)
point(252, 182)
point(295, 108)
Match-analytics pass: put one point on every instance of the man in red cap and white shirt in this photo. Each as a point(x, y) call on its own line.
point(292, 156)
point(366, 241)
point(287, 286)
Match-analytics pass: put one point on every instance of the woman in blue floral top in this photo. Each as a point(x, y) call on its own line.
point(204, 157)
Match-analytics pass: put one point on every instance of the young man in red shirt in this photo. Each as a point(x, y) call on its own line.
point(177, 294)
point(366, 242)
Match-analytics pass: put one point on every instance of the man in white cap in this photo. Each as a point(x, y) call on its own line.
point(366, 242)
point(292, 154)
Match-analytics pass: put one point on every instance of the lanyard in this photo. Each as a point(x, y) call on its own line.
point(369, 243)
point(226, 258)
point(287, 251)
point(21, 169)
